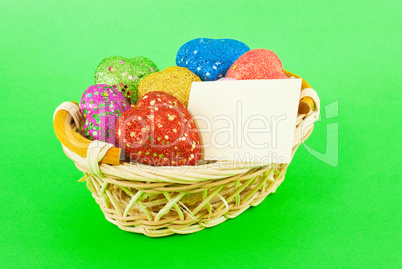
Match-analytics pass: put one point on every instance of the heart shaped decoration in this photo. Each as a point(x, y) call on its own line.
point(101, 106)
point(159, 131)
point(209, 58)
point(257, 64)
point(174, 80)
point(124, 74)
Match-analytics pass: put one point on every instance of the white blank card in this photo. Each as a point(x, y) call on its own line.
point(246, 120)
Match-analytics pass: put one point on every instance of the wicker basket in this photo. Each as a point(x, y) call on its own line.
point(160, 202)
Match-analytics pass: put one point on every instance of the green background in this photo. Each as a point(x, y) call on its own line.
point(321, 216)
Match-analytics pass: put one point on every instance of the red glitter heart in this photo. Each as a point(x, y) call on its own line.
point(159, 131)
point(257, 64)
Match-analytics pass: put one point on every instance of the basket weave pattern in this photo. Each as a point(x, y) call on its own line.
point(160, 201)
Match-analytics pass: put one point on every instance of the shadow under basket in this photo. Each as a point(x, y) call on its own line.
point(161, 201)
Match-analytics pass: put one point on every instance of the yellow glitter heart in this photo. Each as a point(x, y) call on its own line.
point(173, 80)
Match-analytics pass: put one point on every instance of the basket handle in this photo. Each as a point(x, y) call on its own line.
point(308, 99)
point(73, 140)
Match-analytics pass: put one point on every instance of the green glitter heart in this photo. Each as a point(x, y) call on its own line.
point(124, 74)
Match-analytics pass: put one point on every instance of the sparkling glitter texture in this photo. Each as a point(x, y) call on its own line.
point(210, 58)
point(101, 105)
point(257, 64)
point(159, 131)
point(101, 126)
point(124, 74)
point(173, 80)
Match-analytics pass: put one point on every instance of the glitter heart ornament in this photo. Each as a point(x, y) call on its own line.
point(173, 80)
point(101, 126)
point(124, 74)
point(159, 131)
point(257, 64)
point(102, 96)
point(101, 106)
point(209, 58)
